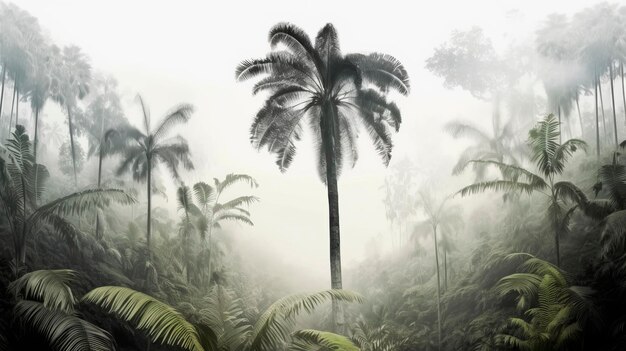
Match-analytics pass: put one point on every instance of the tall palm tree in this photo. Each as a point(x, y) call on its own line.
point(73, 77)
point(550, 157)
point(148, 148)
point(23, 182)
point(317, 85)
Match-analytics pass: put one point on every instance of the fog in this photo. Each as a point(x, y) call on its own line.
point(187, 52)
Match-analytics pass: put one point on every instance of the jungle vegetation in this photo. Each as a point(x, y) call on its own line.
point(529, 254)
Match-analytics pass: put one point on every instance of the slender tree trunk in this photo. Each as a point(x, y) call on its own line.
point(71, 128)
point(555, 224)
point(17, 104)
point(327, 126)
point(210, 243)
point(580, 118)
point(602, 107)
point(149, 224)
point(621, 66)
point(438, 289)
point(597, 120)
point(100, 158)
point(35, 143)
point(445, 270)
point(560, 129)
point(12, 108)
point(613, 104)
point(4, 76)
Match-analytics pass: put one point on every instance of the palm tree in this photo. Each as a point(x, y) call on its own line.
point(107, 146)
point(550, 158)
point(148, 148)
point(23, 182)
point(554, 312)
point(73, 77)
point(21, 36)
point(215, 212)
point(317, 85)
point(439, 216)
point(496, 146)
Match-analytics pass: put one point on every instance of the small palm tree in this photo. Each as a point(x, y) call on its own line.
point(146, 150)
point(22, 183)
point(211, 212)
point(554, 312)
point(216, 211)
point(550, 157)
point(315, 84)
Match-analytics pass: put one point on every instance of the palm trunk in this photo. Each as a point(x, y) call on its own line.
point(438, 289)
point(210, 243)
point(4, 76)
point(560, 129)
point(621, 66)
point(445, 270)
point(17, 103)
point(101, 156)
point(580, 118)
point(602, 107)
point(613, 103)
point(71, 128)
point(149, 224)
point(12, 108)
point(35, 143)
point(597, 120)
point(328, 133)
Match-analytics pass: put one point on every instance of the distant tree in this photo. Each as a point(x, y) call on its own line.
point(73, 76)
point(317, 85)
point(469, 61)
point(147, 149)
point(439, 217)
point(20, 37)
point(499, 145)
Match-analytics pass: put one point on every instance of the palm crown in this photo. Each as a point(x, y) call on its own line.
point(316, 84)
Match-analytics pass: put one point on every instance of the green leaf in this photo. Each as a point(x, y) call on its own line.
point(162, 323)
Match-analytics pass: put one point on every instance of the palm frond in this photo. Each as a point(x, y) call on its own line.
point(273, 327)
point(160, 321)
point(307, 338)
point(51, 287)
point(83, 201)
point(179, 114)
point(63, 332)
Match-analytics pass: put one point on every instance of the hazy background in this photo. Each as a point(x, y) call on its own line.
point(186, 51)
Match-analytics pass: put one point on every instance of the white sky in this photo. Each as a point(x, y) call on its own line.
point(186, 51)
